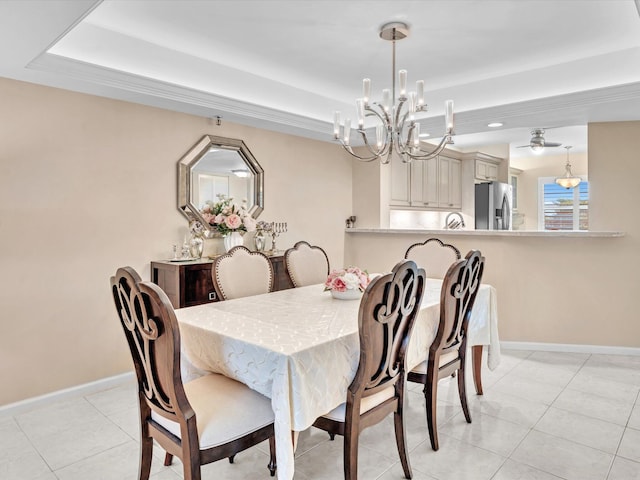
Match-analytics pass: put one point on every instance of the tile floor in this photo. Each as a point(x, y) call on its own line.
point(544, 416)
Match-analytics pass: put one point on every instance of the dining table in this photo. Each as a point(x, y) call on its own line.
point(300, 347)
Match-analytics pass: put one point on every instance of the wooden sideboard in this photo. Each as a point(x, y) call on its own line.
point(189, 283)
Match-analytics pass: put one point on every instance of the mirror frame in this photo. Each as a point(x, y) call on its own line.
point(191, 158)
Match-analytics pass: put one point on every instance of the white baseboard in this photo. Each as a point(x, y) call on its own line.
point(72, 392)
point(570, 348)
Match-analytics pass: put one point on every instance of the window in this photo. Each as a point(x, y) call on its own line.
point(560, 208)
point(513, 180)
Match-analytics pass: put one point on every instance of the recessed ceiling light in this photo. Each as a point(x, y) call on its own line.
point(424, 135)
point(495, 124)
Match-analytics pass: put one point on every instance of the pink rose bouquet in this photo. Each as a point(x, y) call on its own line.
point(351, 278)
point(226, 217)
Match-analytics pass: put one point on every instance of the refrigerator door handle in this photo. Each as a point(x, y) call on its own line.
point(506, 212)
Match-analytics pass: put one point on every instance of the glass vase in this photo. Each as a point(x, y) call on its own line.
point(260, 240)
point(196, 245)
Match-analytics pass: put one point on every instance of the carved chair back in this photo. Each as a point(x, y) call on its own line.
point(434, 256)
point(306, 264)
point(458, 294)
point(386, 317)
point(151, 328)
point(241, 273)
point(387, 314)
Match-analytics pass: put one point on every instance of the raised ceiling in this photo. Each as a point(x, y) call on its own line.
point(287, 65)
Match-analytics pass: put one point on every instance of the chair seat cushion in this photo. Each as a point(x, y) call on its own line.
point(225, 410)
point(444, 359)
point(367, 404)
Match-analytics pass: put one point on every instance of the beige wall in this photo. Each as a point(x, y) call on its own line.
point(559, 290)
point(88, 184)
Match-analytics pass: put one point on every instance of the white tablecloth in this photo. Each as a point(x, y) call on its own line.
point(300, 347)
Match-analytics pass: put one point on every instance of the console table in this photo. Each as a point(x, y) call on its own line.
point(189, 283)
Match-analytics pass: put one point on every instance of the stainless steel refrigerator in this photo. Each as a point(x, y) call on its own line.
point(493, 206)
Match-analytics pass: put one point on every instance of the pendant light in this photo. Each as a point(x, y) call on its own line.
point(397, 130)
point(569, 180)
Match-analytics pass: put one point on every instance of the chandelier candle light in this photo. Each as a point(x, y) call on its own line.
point(569, 180)
point(397, 130)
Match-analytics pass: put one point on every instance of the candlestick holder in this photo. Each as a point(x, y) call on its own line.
point(276, 229)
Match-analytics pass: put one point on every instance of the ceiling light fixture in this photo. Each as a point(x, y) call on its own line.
point(396, 131)
point(495, 124)
point(537, 145)
point(240, 173)
point(569, 180)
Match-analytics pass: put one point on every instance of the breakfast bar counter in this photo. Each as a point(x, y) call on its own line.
point(491, 233)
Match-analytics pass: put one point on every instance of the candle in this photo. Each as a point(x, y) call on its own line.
point(386, 99)
point(360, 112)
point(412, 104)
point(420, 92)
point(379, 135)
point(448, 115)
point(402, 77)
point(347, 131)
point(366, 90)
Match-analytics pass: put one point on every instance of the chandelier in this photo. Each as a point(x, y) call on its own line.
point(396, 130)
point(569, 180)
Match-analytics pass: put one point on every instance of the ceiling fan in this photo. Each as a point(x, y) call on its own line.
point(537, 142)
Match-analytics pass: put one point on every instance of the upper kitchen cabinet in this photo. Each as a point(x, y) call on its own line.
point(400, 183)
point(486, 167)
point(427, 184)
point(450, 183)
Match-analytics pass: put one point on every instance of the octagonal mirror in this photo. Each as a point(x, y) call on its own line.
point(214, 166)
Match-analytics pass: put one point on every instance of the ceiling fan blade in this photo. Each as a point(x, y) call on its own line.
point(551, 144)
point(524, 146)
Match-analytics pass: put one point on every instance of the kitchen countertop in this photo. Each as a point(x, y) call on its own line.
point(492, 233)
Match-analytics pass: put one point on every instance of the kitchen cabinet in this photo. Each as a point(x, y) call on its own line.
point(486, 171)
point(450, 183)
point(400, 183)
point(427, 184)
point(190, 283)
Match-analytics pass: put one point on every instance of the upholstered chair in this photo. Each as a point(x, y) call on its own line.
point(306, 264)
point(448, 351)
point(434, 256)
point(387, 313)
point(241, 273)
point(207, 419)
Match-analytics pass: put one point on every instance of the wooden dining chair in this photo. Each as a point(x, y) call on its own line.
point(201, 421)
point(448, 351)
point(434, 256)
point(386, 317)
point(241, 273)
point(306, 264)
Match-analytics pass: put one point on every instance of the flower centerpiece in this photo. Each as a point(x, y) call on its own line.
point(348, 283)
point(228, 219)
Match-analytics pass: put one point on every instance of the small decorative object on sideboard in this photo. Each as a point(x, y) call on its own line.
point(347, 284)
point(196, 242)
point(276, 229)
point(260, 239)
point(351, 221)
